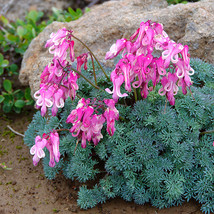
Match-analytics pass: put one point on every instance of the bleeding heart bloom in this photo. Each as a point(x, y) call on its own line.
point(70, 85)
point(44, 98)
point(169, 87)
point(57, 38)
point(184, 72)
point(37, 150)
point(140, 65)
point(93, 132)
point(58, 100)
point(171, 53)
point(71, 47)
point(116, 48)
point(51, 142)
point(117, 80)
point(111, 114)
point(53, 148)
point(82, 59)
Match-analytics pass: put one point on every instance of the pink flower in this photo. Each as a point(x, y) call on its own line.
point(71, 47)
point(94, 132)
point(143, 63)
point(37, 150)
point(86, 120)
point(53, 148)
point(71, 84)
point(44, 98)
point(185, 55)
point(171, 53)
point(86, 126)
point(57, 38)
point(59, 43)
point(111, 114)
point(117, 80)
point(60, 51)
point(82, 59)
point(116, 48)
point(160, 66)
point(183, 72)
point(144, 90)
point(169, 87)
point(51, 142)
point(58, 100)
point(125, 67)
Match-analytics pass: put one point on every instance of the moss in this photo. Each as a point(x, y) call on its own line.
point(19, 147)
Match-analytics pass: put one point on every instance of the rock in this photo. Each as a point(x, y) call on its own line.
point(14, 9)
point(191, 24)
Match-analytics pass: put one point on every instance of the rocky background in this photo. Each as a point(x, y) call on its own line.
point(190, 24)
point(14, 9)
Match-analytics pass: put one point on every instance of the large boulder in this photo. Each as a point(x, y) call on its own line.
point(190, 24)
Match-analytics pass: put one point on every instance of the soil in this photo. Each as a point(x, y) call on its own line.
point(25, 190)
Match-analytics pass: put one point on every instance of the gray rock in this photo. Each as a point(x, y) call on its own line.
point(14, 9)
point(191, 24)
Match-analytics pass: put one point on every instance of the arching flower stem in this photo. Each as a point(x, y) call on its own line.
point(89, 81)
point(92, 55)
point(92, 60)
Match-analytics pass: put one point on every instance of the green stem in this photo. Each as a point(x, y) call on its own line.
point(92, 55)
point(207, 132)
point(78, 96)
point(121, 118)
point(89, 81)
point(135, 94)
point(60, 130)
point(92, 60)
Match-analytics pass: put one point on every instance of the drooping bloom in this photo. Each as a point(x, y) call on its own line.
point(58, 101)
point(184, 72)
point(44, 98)
point(117, 79)
point(171, 53)
point(143, 65)
point(169, 87)
point(88, 122)
point(82, 59)
point(51, 142)
point(111, 114)
point(58, 44)
point(116, 48)
point(37, 150)
point(53, 148)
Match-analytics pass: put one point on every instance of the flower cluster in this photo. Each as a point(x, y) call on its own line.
point(51, 142)
point(87, 125)
point(139, 66)
point(59, 80)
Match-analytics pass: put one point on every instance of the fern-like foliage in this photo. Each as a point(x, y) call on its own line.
point(159, 154)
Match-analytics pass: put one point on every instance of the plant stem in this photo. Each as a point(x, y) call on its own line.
point(165, 107)
point(191, 94)
point(78, 96)
point(207, 132)
point(60, 130)
point(92, 55)
point(92, 60)
point(135, 94)
point(15, 131)
point(89, 81)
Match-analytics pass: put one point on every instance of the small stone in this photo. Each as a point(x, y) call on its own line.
point(14, 182)
point(34, 208)
point(73, 208)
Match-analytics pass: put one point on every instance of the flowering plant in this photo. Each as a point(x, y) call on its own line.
point(137, 67)
point(142, 150)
